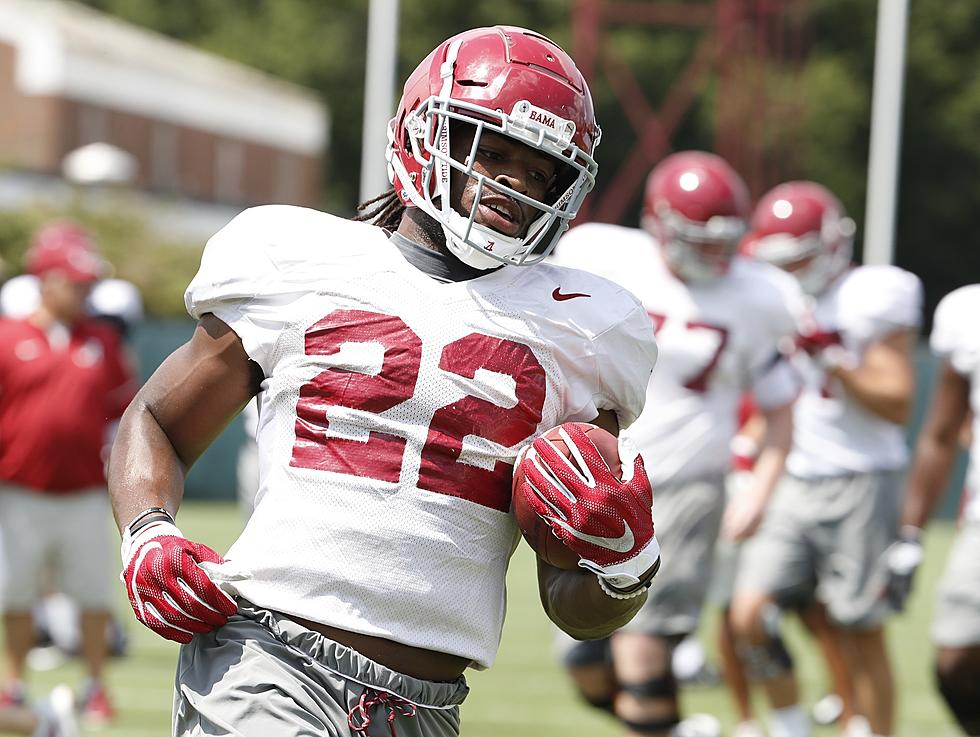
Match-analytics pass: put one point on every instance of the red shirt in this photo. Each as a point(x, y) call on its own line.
point(56, 403)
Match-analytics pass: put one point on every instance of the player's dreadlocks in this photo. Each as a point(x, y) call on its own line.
point(385, 210)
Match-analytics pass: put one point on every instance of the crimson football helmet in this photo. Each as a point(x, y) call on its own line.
point(516, 83)
point(802, 227)
point(696, 205)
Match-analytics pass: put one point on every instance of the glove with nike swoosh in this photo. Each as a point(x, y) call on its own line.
point(608, 522)
point(168, 589)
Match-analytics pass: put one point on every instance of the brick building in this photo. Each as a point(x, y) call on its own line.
point(208, 136)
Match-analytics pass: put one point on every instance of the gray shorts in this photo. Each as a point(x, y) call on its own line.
point(687, 518)
point(827, 537)
point(263, 674)
point(956, 621)
point(69, 532)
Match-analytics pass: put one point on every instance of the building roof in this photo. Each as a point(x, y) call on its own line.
point(70, 51)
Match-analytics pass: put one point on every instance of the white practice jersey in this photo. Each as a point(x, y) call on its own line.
point(956, 339)
point(391, 414)
point(832, 433)
point(717, 340)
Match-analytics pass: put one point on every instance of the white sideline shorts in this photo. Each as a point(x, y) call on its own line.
point(69, 531)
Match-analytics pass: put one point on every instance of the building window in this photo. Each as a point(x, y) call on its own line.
point(229, 164)
point(93, 125)
point(164, 169)
point(288, 184)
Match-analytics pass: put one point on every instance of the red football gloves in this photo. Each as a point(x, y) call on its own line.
point(170, 593)
point(607, 522)
point(826, 348)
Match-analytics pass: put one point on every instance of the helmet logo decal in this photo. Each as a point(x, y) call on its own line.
point(532, 121)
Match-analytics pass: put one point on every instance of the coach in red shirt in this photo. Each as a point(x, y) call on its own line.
point(64, 381)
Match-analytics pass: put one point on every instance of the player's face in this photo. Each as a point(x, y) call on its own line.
point(510, 163)
point(799, 264)
point(64, 298)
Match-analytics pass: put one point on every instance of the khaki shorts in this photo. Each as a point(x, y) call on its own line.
point(827, 537)
point(956, 621)
point(70, 532)
point(687, 518)
point(262, 674)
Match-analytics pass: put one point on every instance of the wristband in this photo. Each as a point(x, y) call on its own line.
point(146, 517)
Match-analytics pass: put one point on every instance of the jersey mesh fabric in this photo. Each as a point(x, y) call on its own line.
point(389, 397)
point(833, 434)
point(716, 341)
point(956, 339)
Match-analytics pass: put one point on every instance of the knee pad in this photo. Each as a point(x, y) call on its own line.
point(659, 687)
point(961, 690)
point(767, 660)
point(652, 726)
point(586, 652)
point(605, 704)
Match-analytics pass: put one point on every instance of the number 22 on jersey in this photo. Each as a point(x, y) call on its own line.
point(382, 455)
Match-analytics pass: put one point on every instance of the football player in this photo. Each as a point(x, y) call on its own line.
point(956, 624)
point(401, 369)
point(719, 321)
point(836, 512)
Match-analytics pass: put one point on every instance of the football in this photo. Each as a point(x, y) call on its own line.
point(535, 530)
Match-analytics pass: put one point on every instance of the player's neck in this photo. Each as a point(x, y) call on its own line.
point(422, 230)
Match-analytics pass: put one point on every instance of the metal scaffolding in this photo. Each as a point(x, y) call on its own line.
point(739, 42)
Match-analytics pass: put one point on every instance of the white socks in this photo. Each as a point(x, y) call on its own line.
point(790, 721)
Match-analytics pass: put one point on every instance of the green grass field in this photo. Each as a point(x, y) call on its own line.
point(526, 694)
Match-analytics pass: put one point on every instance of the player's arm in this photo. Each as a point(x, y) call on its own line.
point(189, 399)
point(743, 515)
point(936, 447)
point(884, 382)
point(176, 415)
point(574, 600)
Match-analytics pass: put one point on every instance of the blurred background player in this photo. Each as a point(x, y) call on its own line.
point(719, 321)
point(54, 716)
point(64, 379)
point(956, 623)
point(119, 304)
point(835, 514)
point(402, 366)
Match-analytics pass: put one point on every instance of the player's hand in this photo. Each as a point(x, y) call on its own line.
point(169, 592)
point(745, 508)
point(903, 558)
point(608, 522)
point(826, 347)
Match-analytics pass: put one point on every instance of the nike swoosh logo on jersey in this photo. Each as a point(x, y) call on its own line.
point(559, 297)
point(622, 544)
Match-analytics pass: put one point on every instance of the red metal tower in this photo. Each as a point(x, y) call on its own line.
point(739, 43)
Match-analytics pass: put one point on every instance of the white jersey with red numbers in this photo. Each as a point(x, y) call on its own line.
point(832, 433)
point(717, 339)
point(956, 339)
point(391, 414)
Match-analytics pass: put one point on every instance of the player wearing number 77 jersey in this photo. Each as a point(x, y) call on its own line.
point(399, 371)
point(719, 323)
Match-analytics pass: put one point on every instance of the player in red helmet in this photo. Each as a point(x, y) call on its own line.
point(696, 206)
point(802, 228)
point(400, 365)
point(719, 320)
point(839, 501)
